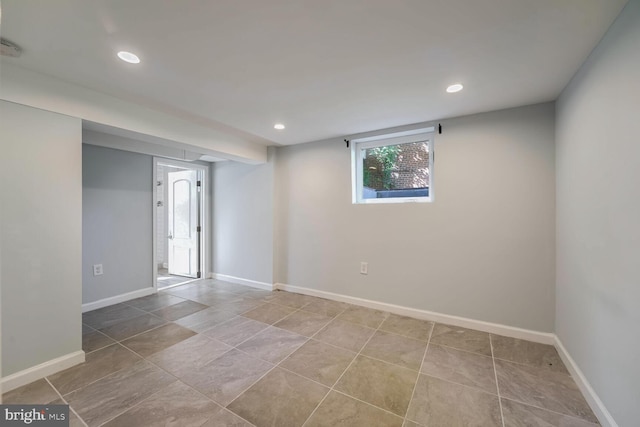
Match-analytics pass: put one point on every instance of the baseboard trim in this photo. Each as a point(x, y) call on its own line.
point(241, 281)
point(494, 328)
point(29, 375)
point(601, 412)
point(117, 299)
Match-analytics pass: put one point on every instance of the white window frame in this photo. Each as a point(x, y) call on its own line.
point(360, 144)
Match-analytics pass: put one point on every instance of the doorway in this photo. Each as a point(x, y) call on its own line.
point(179, 212)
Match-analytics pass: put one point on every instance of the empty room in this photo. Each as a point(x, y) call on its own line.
point(405, 213)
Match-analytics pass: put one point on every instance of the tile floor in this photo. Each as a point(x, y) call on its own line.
point(211, 353)
point(165, 279)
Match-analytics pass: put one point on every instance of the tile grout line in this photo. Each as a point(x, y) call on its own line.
point(136, 405)
point(275, 365)
point(65, 401)
point(94, 381)
point(347, 368)
point(552, 411)
point(144, 359)
point(495, 373)
point(415, 386)
point(178, 379)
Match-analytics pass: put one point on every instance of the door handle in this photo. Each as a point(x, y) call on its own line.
point(170, 236)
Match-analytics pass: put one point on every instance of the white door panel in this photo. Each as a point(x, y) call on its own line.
point(183, 223)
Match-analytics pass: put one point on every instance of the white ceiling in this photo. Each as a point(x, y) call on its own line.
point(325, 68)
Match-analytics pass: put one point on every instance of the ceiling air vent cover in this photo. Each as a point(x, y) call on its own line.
point(9, 49)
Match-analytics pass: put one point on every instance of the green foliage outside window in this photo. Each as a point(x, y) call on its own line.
point(387, 157)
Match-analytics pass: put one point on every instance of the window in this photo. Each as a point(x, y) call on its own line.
point(393, 168)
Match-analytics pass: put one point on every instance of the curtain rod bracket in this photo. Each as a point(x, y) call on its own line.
point(347, 142)
point(439, 128)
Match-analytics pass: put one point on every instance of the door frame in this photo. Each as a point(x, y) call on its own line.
point(204, 188)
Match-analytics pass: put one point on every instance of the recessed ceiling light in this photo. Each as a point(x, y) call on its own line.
point(455, 88)
point(278, 126)
point(129, 57)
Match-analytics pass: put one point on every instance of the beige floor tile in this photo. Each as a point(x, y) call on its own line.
point(461, 338)
point(236, 330)
point(102, 400)
point(37, 393)
point(462, 367)
point(269, 313)
point(320, 362)
point(154, 302)
point(527, 352)
point(292, 300)
point(177, 311)
point(343, 411)
point(108, 316)
point(408, 423)
point(379, 383)
point(215, 299)
point(134, 326)
point(158, 339)
point(407, 326)
point(189, 355)
point(205, 319)
point(543, 388)
point(254, 293)
point(240, 305)
point(440, 403)
point(303, 323)
point(280, 399)
point(192, 292)
point(345, 334)
point(325, 307)
point(272, 344)
point(95, 340)
point(225, 418)
point(363, 316)
point(98, 364)
point(396, 349)
point(521, 415)
point(177, 404)
point(227, 286)
point(226, 377)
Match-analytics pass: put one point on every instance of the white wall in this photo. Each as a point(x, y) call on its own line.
point(598, 218)
point(483, 250)
point(243, 219)
point(40, 236)
point(116, 222)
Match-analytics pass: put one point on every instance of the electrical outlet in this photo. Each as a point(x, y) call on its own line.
point(97, 270)
point(364, 267)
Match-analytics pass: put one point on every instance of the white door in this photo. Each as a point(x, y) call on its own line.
point(183, 219)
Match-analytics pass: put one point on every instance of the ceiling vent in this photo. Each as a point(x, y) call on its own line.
point(9, 49)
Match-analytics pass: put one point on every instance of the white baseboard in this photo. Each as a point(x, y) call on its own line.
point(117, 299)
point(604, 416)
point(494, 328)
point(246, 282)
point(29, 375)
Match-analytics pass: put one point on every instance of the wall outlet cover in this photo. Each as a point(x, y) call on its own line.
point(364, 267)
point(97, 270)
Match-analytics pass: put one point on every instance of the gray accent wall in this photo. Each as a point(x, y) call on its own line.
point(484, 249)
point(243, 219)
point(40, 236)
point(598, 218)
point(117, 223)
